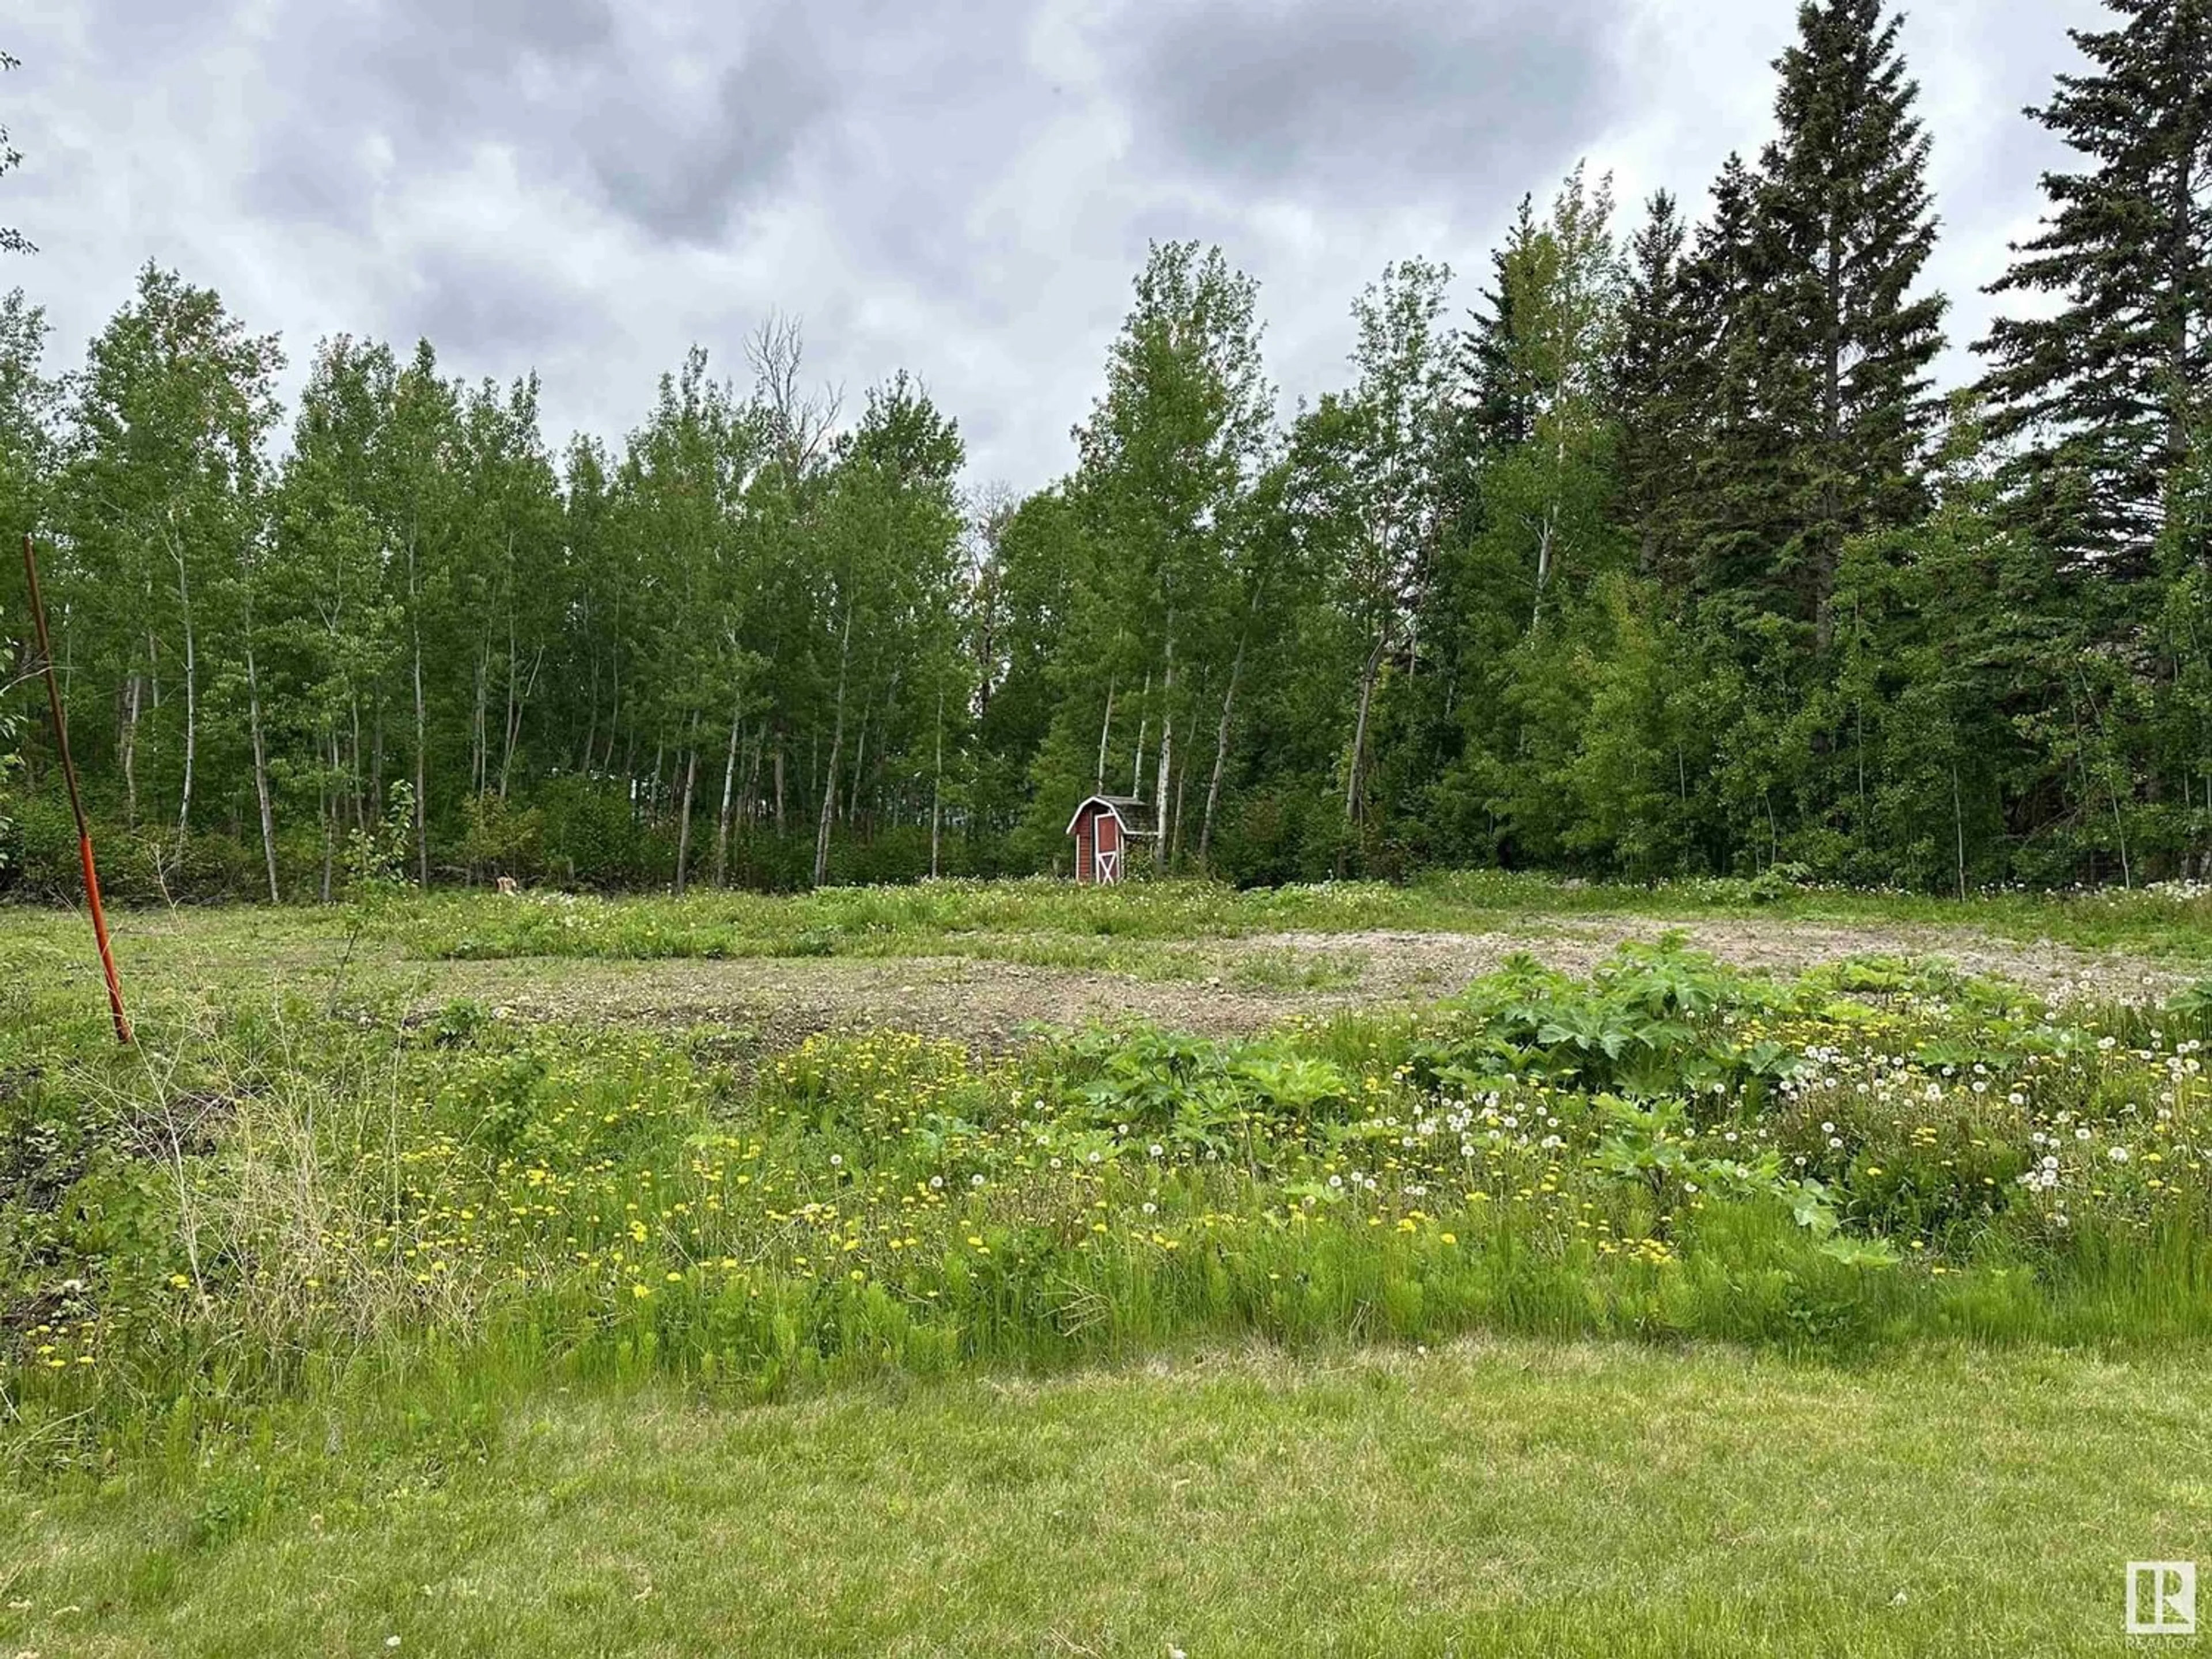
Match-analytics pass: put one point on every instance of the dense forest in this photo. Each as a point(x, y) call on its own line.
point(1667, 557)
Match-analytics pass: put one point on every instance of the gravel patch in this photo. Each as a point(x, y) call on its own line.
point(1230, 989)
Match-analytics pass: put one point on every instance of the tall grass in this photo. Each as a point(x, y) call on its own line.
point(270, 1203)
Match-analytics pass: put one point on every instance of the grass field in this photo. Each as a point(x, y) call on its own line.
point(1524, 1497)
point(1805, 1273)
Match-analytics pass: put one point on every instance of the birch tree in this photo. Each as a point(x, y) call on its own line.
point(171, 415)
point(891, 531)
point(1170, 451)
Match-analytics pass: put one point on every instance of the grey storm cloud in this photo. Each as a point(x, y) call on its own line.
point(675, 137)
point(683, 180)
point(1278, 96)
point(505, 310)
point(963, 188)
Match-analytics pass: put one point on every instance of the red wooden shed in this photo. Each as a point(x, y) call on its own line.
point(1103, 828)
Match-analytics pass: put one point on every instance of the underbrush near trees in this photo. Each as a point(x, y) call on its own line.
point(276, 1202)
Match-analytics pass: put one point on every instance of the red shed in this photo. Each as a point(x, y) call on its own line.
point(1103, 826)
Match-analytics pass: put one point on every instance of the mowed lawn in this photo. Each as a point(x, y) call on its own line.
point(1491, 1498)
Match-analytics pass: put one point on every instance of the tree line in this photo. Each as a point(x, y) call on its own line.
point(1667, 557)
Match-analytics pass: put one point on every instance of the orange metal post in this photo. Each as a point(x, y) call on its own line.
point(76, 801)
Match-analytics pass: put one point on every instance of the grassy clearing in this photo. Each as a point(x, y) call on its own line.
point(652, 1337)
point(1178, 933)
point(1848, 1161)
point(1509, 1498)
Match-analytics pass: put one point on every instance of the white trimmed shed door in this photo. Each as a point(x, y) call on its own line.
point(1108, 855)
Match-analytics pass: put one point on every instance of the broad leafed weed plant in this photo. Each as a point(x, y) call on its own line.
point(261, 1200)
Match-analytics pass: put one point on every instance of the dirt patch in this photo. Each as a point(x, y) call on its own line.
point(985, 1004)
point(1411, 963)
point(1234, 985)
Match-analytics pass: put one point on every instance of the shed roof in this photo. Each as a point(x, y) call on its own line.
point(1137, 816)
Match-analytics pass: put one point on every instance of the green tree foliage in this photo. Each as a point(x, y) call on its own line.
point(1655, 393)
point(1818, 395)
point(26, 459)
point(1549, 498)
point(163, 503)
point(1549, 532)
point(1848, 226)
point(1740, 478)
point(1664, 560)
point(1166, 462)
point(337, 624)
point(2102, 389)
point(29, 404)
point(24, 434)
point(890, 527)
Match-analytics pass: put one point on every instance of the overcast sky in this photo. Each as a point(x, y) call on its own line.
point(963, 190)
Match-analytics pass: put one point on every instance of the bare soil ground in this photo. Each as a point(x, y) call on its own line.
point(1403, 962)
point(1222, 987)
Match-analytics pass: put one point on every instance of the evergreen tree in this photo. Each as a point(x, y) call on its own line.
point(1737, 508)
point(1654, 393)
point(1498, 412)
point(2104, 388)
point(1844, 206)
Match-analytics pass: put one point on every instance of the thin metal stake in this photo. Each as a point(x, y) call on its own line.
point(76, 801)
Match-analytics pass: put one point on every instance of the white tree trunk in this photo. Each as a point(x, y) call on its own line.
point(729, 792)
point(1220, 751)
point(1355, 774)
point(421, 728)
point(937, 790)
point(191, 694)
point(683, 819)
point(1167, 735)
point(836, 749)
point(260, 763)
point(133, 698)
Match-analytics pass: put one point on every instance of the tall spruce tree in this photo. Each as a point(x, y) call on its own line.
point(1849, 224)
point(1654, 397)
point(1499, 413)
point(1737, 511)
point(2103, 388)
